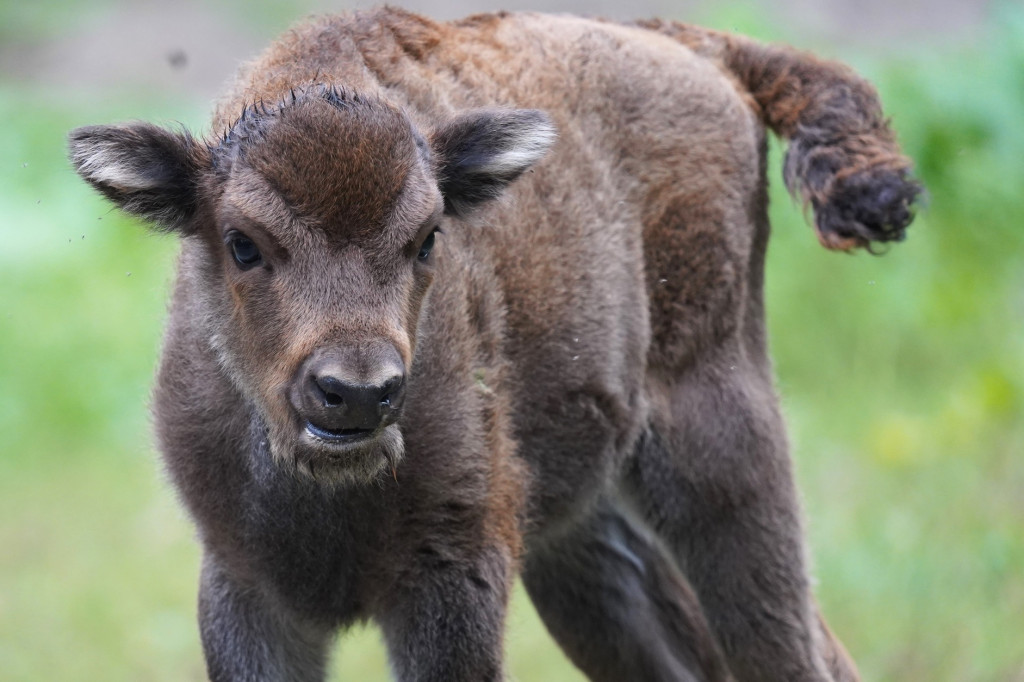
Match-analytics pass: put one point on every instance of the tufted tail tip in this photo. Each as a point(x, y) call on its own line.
point(865, 207)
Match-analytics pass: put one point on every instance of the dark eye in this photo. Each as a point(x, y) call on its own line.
point(428, 244)
point(244, 250)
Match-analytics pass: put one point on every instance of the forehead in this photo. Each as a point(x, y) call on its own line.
point(329, 160)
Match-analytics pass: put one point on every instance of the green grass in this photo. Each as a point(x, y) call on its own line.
point(902, 379)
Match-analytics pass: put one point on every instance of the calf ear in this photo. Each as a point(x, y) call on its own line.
point(147, 171)
point(481, 152)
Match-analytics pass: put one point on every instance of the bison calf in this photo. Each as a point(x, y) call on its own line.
point(461, 301)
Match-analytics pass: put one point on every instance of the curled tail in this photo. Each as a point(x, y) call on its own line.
point(843, 158)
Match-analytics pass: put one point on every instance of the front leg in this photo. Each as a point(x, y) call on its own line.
point(445, 618)
point(248, 638)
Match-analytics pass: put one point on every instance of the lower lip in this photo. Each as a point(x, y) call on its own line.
point(340, 437)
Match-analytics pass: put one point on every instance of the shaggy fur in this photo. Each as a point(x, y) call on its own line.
point(543, 238)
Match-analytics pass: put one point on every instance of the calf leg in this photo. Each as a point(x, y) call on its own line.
point(617, 606)
point(246, 638)
point(444, 620)
point(836, 658)
point(714, 478)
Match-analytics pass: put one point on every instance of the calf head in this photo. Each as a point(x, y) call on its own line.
point(313, 224)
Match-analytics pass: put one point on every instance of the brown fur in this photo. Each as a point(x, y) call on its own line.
point(841, 139)
point(580, 358)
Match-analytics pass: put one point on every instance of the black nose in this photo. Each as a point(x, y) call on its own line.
point(337, 405)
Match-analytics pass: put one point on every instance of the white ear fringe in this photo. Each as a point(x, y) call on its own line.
point(526, 146)
point(105, 163)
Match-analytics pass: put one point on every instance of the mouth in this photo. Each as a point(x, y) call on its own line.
point(339, 436)
point(337, 456)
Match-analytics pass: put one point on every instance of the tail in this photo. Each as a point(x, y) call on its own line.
point(843, 158)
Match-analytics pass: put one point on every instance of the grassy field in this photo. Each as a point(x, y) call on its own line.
point(902, 377)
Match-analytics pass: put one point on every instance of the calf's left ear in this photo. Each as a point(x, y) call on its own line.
point(479, 153)
point(146, 170)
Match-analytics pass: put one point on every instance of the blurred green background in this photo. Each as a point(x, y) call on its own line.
point(902, 376)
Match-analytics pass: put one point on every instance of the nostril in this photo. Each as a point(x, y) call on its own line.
point(328, 391)
point(391, 393)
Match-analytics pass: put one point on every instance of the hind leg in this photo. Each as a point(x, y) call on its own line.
point(714, 479)
point(617, 606)
point(836, 658)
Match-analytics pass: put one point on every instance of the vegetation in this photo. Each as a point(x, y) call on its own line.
point(901, 376)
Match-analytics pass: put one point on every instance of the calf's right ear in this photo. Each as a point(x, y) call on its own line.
point(147, 171)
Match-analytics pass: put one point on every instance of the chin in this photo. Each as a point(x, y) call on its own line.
point(334, 459)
